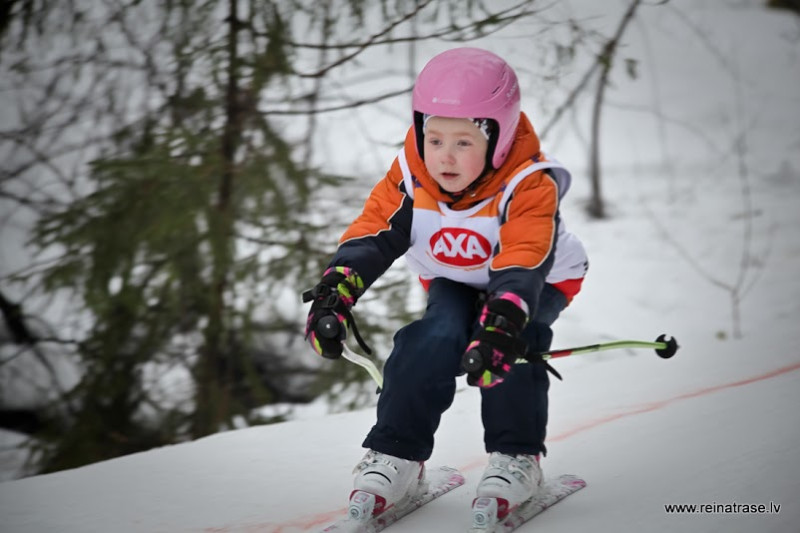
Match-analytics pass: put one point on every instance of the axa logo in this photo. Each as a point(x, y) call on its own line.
point(460, 247)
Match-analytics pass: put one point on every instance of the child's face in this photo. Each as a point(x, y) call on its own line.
point(455, 152)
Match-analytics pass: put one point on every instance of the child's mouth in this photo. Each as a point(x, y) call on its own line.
point(449, 175)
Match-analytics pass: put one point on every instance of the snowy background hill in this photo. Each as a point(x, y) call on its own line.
point(702, 241)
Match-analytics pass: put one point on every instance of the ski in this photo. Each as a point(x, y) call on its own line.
point(484, 510)
point(440, 481)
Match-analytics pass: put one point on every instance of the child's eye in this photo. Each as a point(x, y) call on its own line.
point(464, 143)
point(435, 142)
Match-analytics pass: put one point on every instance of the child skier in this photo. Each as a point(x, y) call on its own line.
point(472, 202)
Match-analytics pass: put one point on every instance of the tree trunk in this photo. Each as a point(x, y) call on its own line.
point(596, 207)
point(214, 402)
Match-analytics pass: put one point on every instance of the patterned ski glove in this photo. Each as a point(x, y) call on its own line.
point(498, 344)
point(329, 317)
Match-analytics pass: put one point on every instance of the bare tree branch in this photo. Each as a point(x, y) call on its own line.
point(370, 41)
point(351, 105)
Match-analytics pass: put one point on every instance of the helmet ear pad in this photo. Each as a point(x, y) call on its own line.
point(494, 135)
point(419, 137)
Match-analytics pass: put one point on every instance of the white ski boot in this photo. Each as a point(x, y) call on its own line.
point(507, 482)
point(382, 481)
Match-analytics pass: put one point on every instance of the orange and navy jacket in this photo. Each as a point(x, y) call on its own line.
point(506, 235)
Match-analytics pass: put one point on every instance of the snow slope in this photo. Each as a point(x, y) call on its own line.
point(718, 423)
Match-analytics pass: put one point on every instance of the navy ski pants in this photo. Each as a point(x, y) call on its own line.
point(420, 378)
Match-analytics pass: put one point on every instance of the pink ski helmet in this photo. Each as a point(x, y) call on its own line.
point(470, 83)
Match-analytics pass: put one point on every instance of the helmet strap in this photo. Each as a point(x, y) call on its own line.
point(419, 124)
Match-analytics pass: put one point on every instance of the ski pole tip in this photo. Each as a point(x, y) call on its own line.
point(670, 346)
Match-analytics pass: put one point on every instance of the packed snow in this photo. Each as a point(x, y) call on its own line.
point(704, 223)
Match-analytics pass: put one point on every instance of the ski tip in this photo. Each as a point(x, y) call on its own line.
point(571, 481)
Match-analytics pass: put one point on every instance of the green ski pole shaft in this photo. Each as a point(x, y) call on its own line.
point(364, 363)
point(663, 347)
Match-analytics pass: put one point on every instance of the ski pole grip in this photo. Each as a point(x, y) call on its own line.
point(472, 361)
point(328, 327)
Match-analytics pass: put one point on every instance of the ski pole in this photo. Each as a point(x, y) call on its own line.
point(664, 347)
point(328, 327)
point(364, 363)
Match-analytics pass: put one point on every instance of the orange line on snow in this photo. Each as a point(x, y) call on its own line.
point(646, 408)
point(304, 523)
point(324, 518)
